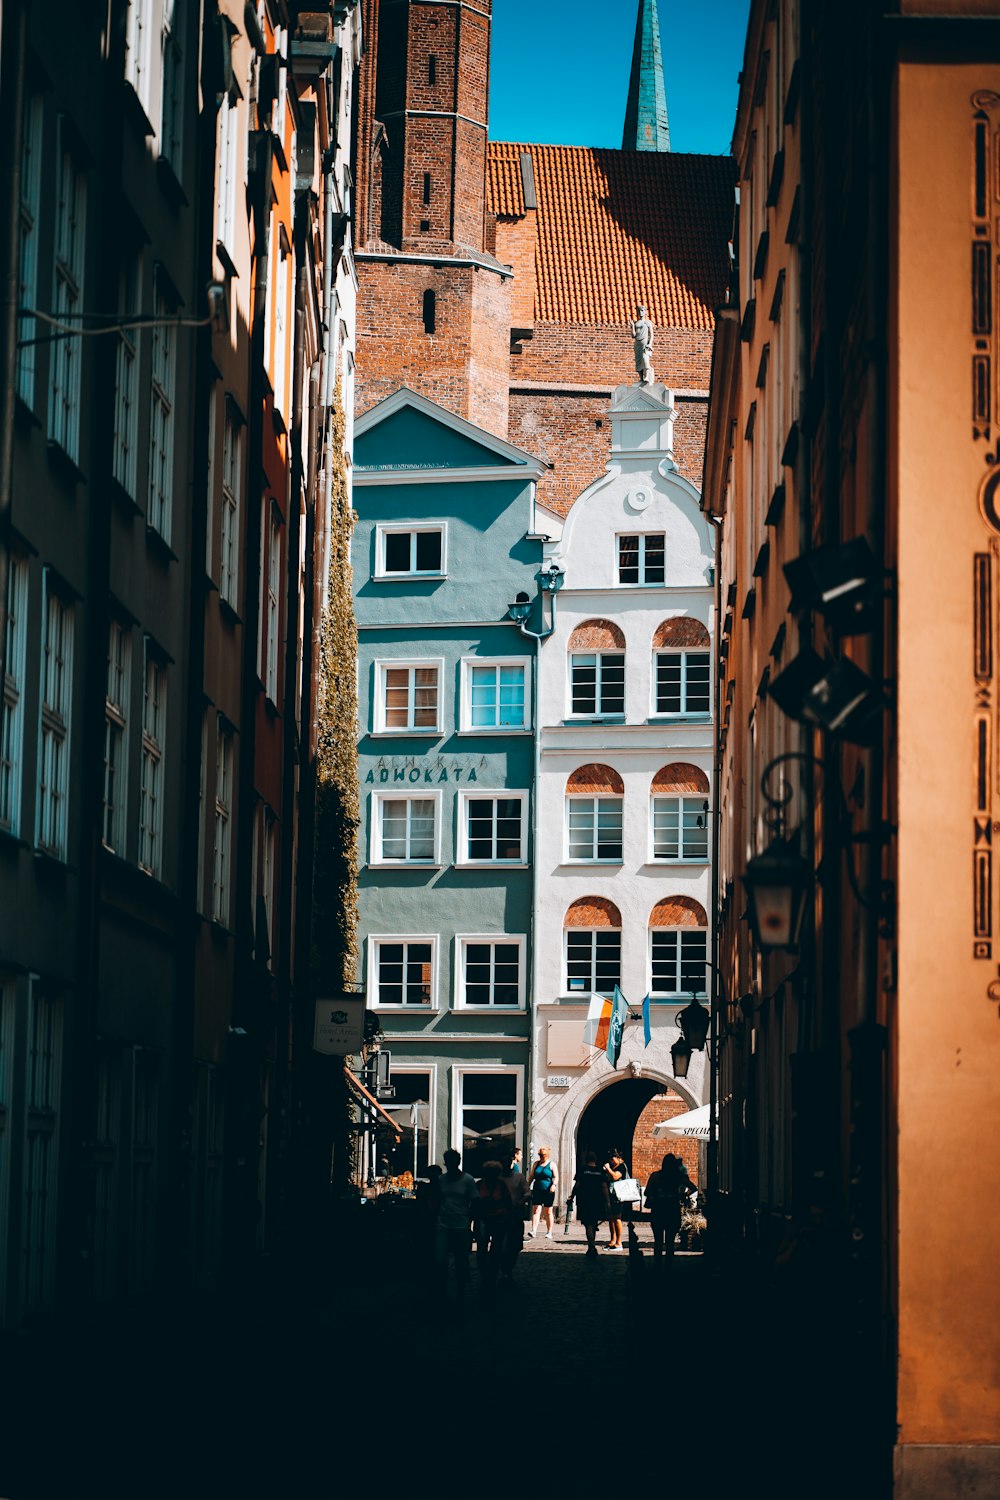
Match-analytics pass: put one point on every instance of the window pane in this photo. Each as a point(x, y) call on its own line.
point(695, 828)
point(511, 695)
point(666, 820)
point(489, 1088)
point(609, 828)
point(428, 551)
point(508, 828)
point(654, 569)
point(697, 673)
point(478, 965)
point(484, 696)
point(613, 684)
point(579, 959)
point(397, 697)
point(580, 820)
point(506, 964)
point(584, 684)
point(664, 961)
point(421, 828)
point(394, 830)
point(425, 697)
point(390, 973)
point(694, 953)
point(628, 559)
point(668, 684)
point(608, 964)
point(480, 815)
point(397, 551)
point(418, 973)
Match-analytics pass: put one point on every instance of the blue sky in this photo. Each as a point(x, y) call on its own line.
point(560, 70)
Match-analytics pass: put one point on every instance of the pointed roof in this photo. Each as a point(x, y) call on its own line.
point(646, 126)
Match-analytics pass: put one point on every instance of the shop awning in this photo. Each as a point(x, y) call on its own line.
point(370, 1099)
point(693, 1122)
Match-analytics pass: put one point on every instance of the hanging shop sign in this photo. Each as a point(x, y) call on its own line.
point(339, 1027)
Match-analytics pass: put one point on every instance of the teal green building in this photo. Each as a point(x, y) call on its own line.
point(444, 542)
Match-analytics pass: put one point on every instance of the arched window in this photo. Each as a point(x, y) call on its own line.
point(678, 947)
point(597, 670)
point(593, 946)
point(682, 668)
point(594, 796)
point(680, 813)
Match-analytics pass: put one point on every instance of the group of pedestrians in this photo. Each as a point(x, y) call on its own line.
point(495, 1208)
point(603, 1193)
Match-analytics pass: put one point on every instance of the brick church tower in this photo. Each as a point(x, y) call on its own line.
point(434, 305)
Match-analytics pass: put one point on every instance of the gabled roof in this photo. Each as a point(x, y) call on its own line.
point(409, 436)
point(618, 227)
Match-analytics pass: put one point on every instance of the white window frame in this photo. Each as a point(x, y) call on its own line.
point(127, 380)
point(678, 995)
point(116, 717)
point(272, 600)
point(460, 1071)
point(685, 713)
point(681, 858)
point(12, 697)
point(67, 296)
point(598, 712)
point(593, 858)
point(375, 939)
point(509, 794)
point(171, 139)
point(643, 538)
point(151, 779)
point(226, 176)
point(594, 988)
point(411, 663)
point(378, 800)
point(425, 1070)
point(229, 522)
point(384, 529)
point(54, 725)
point(222, 838)
point(138, 46)
point(281, 285)
point(30, 208)
point(511, 939)
point(470, 664)
point(162, 403)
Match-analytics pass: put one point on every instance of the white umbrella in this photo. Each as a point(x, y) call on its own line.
point(694, 1122)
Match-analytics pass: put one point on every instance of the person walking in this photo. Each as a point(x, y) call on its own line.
point(615, 1170)
point(456, 1194)
point(544, 1180)
point(514, 1242)
point(665, 1188)
point(593, 1202)
point(491, 1209)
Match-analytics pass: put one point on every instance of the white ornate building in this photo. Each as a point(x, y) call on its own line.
point(624, 826)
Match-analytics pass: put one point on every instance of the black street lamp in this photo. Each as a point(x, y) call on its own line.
point(548, 581)
point(777, 883)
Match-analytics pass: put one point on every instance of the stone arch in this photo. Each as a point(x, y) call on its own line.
point(678, 911)
point(597, 635)
point(591, 1087)
point(681, 778)
point(592, 911)
point(594, 780)
point(682, 633)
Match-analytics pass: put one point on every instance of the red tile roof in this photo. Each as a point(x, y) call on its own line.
point(616, 227)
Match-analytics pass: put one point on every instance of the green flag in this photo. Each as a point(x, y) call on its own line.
point(619, 1011)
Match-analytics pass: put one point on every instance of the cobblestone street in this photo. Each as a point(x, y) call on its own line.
point(581, 1376)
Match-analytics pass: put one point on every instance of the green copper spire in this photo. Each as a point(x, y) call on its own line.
point(646, 127)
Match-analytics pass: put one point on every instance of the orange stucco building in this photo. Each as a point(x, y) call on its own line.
point(855, 395)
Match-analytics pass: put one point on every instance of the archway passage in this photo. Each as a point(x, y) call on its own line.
point(611, 1116)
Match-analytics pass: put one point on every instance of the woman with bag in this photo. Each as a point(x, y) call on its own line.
point(616, 1170)
point(664, 1190)
point(543, 1180)
point(590, 1190)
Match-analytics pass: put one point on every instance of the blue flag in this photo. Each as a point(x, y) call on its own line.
point(619, 1012)
point(646, 1030)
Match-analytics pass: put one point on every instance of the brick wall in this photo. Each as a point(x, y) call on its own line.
point(649, 1150)
point(598, 354)
point(573, 433)
point(462, 364)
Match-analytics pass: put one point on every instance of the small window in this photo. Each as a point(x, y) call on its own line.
point(54, 739)
point(403, 971)
point(222, 840)
point(679, 958)
point(409, 698)
point(116, 706)
point(493, 694)
point(410, 552)
point(492, 829)
point(597, 683)
point(427, 187)
point(680, 828)
point(430, 311)
point(404, 829)
point(594, 828)
point(641, 558)
point(683, 682)
point(593, 959)
point(432, 67)
point(490, 972)
point(12, 696)
point(151, 779)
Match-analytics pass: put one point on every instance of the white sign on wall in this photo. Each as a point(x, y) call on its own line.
point(339, 1027)
point(558, 1080)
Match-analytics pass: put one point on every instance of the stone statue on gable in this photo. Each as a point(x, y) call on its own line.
point(642, 332)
